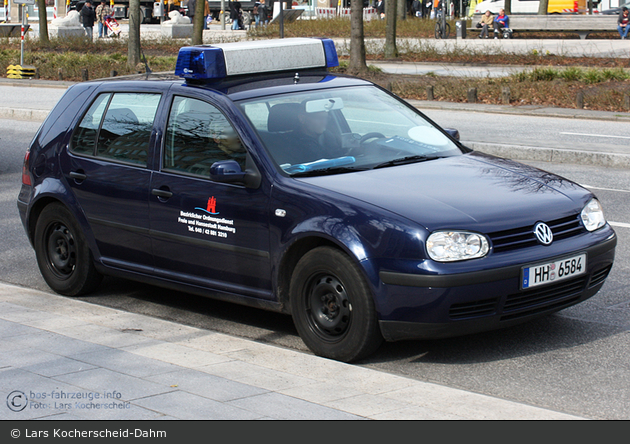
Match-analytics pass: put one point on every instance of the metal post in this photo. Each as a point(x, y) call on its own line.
point(281, 22)
point(222, 18)
point(22, 35)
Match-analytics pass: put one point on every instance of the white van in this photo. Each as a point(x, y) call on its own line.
point(531, 6)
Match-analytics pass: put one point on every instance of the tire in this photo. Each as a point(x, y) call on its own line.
point(63, 256)
point(438, 34)
point(332, 306)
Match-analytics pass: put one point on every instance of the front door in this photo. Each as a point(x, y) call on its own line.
point(206, 233)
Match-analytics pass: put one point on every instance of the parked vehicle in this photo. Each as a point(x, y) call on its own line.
point(255, 175)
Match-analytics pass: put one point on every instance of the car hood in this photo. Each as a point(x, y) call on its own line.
point(473, 191)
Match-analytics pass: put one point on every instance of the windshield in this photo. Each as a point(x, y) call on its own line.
point(344, 129)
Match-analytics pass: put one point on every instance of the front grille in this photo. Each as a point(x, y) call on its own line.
point(524, 237)
point(543, 299)
point(465, 310)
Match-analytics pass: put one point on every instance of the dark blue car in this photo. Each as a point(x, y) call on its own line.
point(255, 176)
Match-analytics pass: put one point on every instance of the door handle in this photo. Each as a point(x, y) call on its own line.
point(77, 176)
point(161, 193)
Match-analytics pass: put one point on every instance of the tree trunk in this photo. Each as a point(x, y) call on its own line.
point(357, 63)
point(133, 48)
point(43, 22)
point(197, 36)
point(542, 7)
point(391, 51)
point(508, 7)
point(402, 9)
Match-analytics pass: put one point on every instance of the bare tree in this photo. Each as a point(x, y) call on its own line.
point(402, 9)
point(197, 35)
point(43, 22)
point(357, 42)
point(508, 7)
point(542, 7)
point(133, 46)
point(391, 51)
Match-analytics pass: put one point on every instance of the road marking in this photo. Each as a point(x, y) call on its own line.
point(590, 187)
point(596, 135)
point(619, 224)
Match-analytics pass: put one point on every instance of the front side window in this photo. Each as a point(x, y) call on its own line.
point(118, 127)
point(354, 128)
point(198, 135)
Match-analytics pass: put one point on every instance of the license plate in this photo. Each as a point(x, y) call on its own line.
point(550, 272)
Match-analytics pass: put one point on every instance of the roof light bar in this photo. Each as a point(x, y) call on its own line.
point(231, 59)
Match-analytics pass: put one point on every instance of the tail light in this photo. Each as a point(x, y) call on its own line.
point(575, 6)
point(26, 177)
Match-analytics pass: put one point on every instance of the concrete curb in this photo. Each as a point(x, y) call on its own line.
point(36, 115)
point(557, 155)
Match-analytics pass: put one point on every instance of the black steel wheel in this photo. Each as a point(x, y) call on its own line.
point(332, 306)
point(63, 256)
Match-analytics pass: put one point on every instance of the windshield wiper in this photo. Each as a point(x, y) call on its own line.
point(327, 171)
point(406, 160)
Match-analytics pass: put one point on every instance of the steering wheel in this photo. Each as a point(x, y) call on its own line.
point(369, 136)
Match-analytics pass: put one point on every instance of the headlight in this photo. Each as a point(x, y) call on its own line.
point(449, 246)
point(593, 215)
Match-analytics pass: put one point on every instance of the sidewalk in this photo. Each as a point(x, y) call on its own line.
point(78, 361)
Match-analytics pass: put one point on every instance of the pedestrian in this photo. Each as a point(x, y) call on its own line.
point(380, 8)
point(192, 4)
point(87, 19)
point(486, 20)
point(623, 23)
point(427, 6)
point(235, 14)
point(416, 8)
point(255, 14)
point(263, 13)
point(501, 22)
point(102, 11)
point(206, 15)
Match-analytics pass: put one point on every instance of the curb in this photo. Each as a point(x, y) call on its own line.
point(23, 114)
point(541, 154)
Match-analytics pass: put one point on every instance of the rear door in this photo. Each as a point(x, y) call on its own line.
point(205, 233)
point(106, 167)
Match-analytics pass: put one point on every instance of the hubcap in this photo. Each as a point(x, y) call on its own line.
point(328, 307)
point(61, 250)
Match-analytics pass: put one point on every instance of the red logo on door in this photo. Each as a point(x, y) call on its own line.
point(212, 205)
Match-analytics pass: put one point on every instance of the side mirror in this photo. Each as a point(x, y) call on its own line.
point(229, 171)
point(452, 132)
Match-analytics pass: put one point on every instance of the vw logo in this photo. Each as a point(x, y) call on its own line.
point(543, 233)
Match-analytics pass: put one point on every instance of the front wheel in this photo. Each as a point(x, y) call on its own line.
point(63, 256)
point(332, 306)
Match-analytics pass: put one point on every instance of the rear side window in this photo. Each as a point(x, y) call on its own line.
point(117, 126)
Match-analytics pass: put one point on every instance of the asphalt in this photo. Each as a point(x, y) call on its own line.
point(61, 358)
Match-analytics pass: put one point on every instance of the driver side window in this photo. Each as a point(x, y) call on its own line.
point(198, 135)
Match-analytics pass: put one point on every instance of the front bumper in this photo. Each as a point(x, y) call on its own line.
point(438, 306)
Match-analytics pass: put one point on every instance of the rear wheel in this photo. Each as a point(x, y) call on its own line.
point(332, 306)
point(63, 256)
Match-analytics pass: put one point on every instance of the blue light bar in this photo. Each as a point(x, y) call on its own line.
point(230, 59)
